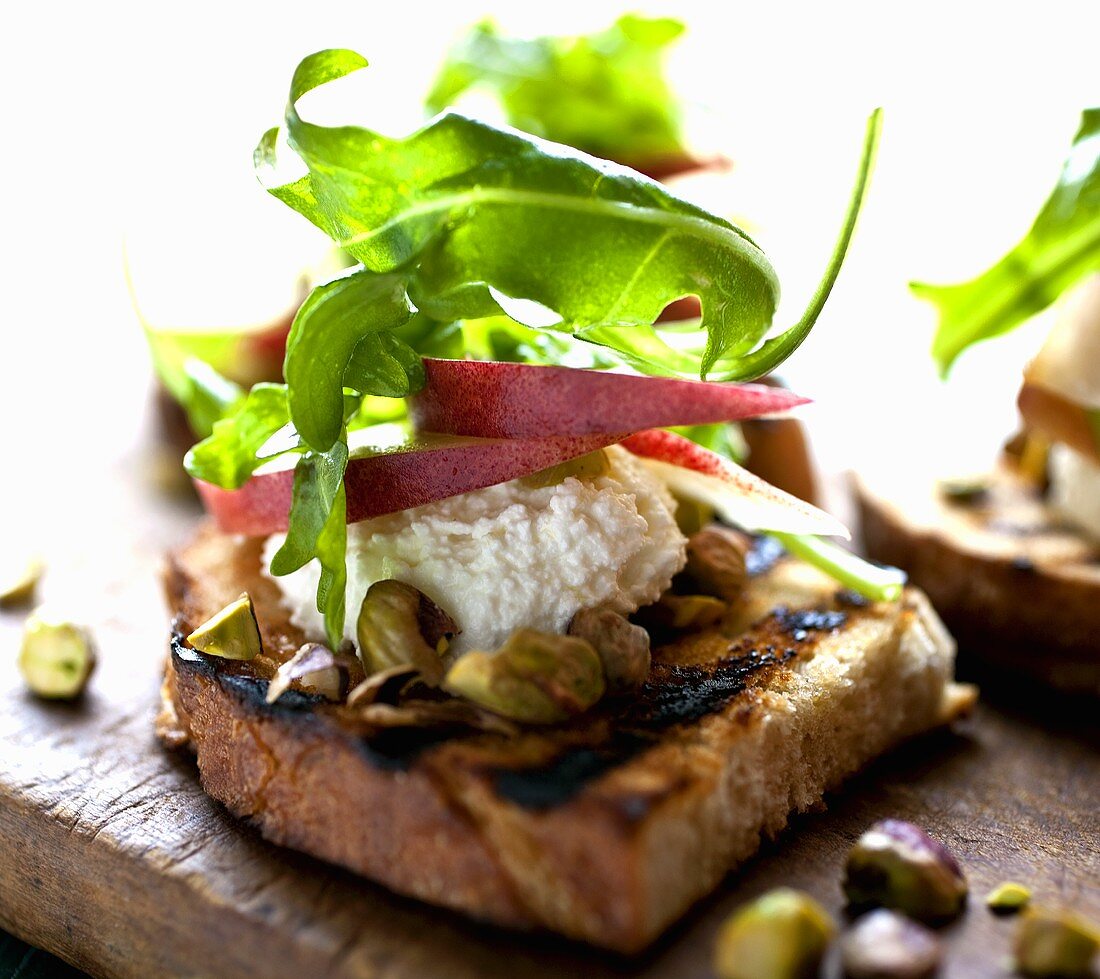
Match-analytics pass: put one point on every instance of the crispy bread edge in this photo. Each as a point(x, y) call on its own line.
point(1016, 588)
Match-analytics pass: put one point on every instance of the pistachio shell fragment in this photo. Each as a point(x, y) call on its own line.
point(534, 677)
point(314, 669)
point(590, 466)
point(716, 562)
point(966, 490)
point(897, 865)
point(1052, 942)
point(1008, 898)
point(688, 613)
point(623, 647)
point(19, 582)
point(232, 633)
point(782, 935)
point(887, 945)
point(56, 657)
point(385, 686)
point(400, 626)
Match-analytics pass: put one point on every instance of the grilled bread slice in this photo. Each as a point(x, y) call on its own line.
point(1017, 586)
point(605, 830)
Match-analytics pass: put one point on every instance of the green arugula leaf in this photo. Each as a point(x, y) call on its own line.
point(1062, 247)
point(231, 453)
point(331, 552)
point(774, 351)
point(604, 93)
point(318, 480)
point(318, 529)
point(206, 396)
point(335, 343)
point(468, 209)
point(190, 365)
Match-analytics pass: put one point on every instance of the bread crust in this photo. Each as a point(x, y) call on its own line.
point(1018, 588)
point(606, 830)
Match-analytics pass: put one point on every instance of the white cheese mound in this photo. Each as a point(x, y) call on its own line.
point(1075, 488)
point(511, 556)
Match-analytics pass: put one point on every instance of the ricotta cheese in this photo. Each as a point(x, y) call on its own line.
point(1075, 488)
point(512, 556)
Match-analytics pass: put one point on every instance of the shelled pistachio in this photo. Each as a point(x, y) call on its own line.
point(56, 657)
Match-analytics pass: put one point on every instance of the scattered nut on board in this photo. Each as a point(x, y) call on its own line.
point(56, 657)
point(897, 865)
point(782, 935)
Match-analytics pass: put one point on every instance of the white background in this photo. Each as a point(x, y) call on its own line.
point(118, 117)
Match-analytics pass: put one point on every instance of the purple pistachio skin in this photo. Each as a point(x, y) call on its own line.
point(897, 865)
point(886, 945)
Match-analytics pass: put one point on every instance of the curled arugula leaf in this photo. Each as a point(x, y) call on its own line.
point(458, 201)
point(1062, 247)
point(338, 341)
point(604, 93)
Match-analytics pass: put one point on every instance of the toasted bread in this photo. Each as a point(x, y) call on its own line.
point(605, 830)
point(1019, 589)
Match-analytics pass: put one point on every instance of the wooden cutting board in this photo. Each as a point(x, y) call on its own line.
point(113, 858)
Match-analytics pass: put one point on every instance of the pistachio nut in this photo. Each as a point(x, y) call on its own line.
point(385, 686)
point(623, 648)
point(1008, 898)
point(400, 626)
point(56, 657)
point(687, 613)
point(966, 490)
point(589, 466)
point(716, 562)
point(233, 633)
point(898, 865)
point(692, 515)
point(1053, 942)
point(313, 669)
point(886, 945)
point(782, 935)
point(19, 581)
point(534, 677)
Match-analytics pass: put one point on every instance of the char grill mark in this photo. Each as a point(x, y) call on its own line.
point(673, 694)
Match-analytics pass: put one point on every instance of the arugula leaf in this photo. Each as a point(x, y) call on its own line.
point(604, 93)
point(189, 365)
point(456, 202)
point(1062, 247)
point(206, 396)
point(335, 342)
point(231, 453)
point(318, 529)
point(774, 351)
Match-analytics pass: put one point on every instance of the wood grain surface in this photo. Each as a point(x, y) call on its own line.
point(113, 858)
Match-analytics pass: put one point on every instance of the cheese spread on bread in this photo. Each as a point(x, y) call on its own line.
point(513, 556)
